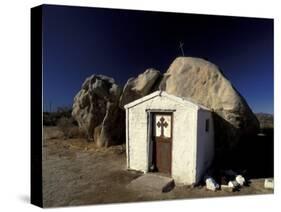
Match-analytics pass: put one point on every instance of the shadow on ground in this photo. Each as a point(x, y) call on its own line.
point(254, 156)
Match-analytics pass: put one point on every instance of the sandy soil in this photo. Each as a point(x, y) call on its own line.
point(77, 173)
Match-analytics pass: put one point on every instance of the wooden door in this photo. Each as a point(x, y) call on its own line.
point(162, 123)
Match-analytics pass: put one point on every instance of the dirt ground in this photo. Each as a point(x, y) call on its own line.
point(75, 172)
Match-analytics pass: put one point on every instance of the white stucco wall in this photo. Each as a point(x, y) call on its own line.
point(184, 137)
point(205, 143)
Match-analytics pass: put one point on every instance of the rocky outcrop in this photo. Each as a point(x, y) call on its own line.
point(140, 86)
point(205, 84)
point(266, 120)
point(98, 106)
point(96, 109)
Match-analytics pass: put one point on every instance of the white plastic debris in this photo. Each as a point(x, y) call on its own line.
point(240, 180)
point(233, 184)
point(211, 184)
point(269, 183)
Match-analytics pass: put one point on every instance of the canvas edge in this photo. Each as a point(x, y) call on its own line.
point(36, 192)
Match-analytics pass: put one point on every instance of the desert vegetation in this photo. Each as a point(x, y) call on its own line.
point(52, 118)
point(61, 124)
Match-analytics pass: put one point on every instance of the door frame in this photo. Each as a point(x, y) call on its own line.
point(151, 114)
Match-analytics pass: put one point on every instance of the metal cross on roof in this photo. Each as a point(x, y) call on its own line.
point(181, 47)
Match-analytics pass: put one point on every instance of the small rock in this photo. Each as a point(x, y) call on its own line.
point(211, 184)
point(261, 134)
point(240, 180)
point(269, 183)
point(227, 188)
point(152, 168)
point(234, 184)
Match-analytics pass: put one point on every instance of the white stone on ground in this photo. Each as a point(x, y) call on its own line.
point(211, 184)
point(240, 180)
point(227, 188)
point(233, 184)
point(269, 183)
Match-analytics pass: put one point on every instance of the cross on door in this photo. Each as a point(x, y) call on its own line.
point(162, 123)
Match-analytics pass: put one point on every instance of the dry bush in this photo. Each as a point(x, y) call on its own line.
point(65, 125)
point(70, 130)
point(52, 118)
point(76, 132)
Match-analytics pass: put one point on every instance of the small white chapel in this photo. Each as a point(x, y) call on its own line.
point(170, 135)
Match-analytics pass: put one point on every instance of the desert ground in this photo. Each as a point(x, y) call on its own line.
point(75, 172)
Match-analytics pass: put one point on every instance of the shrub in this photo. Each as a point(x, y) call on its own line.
point(65, 125)
point(52, 118)
point(76, 132)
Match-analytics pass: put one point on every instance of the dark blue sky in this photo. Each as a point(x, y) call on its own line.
point(80, 41)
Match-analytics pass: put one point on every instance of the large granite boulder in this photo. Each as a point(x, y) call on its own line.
point(205, 84)
point(96, 109)
point(98, 106)
point(140, 86)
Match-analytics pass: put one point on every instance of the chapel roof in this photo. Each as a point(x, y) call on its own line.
point(165, 94)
